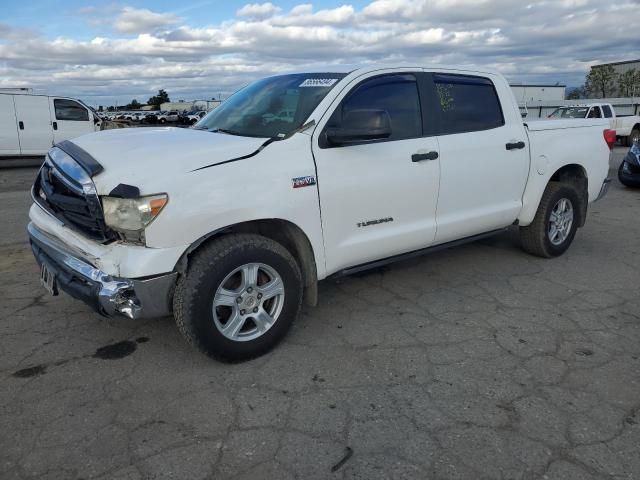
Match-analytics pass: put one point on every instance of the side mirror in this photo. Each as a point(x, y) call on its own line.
point(361, 126)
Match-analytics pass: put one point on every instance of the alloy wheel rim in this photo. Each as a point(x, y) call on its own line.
point(248, 302)
point(560, 221)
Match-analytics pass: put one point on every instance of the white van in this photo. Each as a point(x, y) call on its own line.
point(31, 124)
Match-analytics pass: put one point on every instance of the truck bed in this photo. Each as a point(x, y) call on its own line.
point(562, 124)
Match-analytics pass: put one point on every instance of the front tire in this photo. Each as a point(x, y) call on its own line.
point(556, 222)
point(239, 297)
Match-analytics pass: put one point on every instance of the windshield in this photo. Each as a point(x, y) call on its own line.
point(272, 107)
point(570, 112)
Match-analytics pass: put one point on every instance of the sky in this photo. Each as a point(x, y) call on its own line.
point(112, 52)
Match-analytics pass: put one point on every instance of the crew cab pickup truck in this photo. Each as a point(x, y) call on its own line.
point(627, 127)
point(230, 225)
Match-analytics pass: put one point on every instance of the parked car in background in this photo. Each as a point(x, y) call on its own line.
point(31, 124)
point(231, 224)
point(191, 118)
point(629, 170)
point(627, 127)
point(165, 117)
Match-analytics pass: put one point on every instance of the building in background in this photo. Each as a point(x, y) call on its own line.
point(527, 94)
point(620, 68)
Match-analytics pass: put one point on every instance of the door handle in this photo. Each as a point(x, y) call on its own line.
point(21, 125)
point(55, 125)
point(515, 145)
point(419, 157)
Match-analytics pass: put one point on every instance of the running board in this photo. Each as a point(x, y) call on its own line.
point(416, 253)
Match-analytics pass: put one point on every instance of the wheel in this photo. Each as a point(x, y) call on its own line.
point(556, 221)
point(634, 137)
point(163, 120)
point(239, 297)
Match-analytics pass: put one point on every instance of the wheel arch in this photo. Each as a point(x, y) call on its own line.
point(577, 175)
point(573, 173)
point(286, 233)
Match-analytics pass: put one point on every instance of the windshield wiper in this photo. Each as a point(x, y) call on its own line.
point(224, 130)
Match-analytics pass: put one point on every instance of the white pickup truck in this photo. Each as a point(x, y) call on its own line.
point(231, 225)
point(627, 127)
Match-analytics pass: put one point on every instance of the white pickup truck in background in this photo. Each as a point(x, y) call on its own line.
point(231, 224)
point(627, 127)
point(31, 124)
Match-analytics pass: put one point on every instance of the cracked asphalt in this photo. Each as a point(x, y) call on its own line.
point(478, 362)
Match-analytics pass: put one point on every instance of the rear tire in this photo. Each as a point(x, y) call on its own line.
point(556, 222)
point(227, 311)
point(634, 137)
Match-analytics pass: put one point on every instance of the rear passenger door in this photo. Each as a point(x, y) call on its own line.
point(70, 119)
point(608, 113)
point(484, 156)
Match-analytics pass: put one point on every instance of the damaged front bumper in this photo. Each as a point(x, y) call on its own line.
point(108, 295)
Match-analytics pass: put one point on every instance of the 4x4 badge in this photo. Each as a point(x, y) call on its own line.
point(307, 181)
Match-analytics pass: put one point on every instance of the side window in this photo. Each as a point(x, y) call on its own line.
point(467, 103)
point(607, 111)
point(397, 94)
point(595, 113)
point(70, 110)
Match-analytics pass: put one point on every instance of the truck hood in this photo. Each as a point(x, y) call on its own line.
point(149, 158)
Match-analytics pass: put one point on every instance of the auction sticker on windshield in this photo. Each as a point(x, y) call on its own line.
point(318, 82)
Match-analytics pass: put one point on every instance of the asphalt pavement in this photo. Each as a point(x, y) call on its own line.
point(478, 362)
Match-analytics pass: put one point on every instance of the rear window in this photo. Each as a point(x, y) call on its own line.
point(467, 104)
point(70, 110)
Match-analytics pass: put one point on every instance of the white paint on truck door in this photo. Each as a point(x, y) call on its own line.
point(34, 124)
point(9, 143)
point(484, 156)
point(70, 119)
point(375, 200)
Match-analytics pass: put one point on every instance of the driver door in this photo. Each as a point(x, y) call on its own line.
point(378, 198)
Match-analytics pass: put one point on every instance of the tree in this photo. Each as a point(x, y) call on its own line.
point(134, 105)
point(100, 108)
point(576, 93)
point(601, 81)
point(629, 83)
point(159, 99)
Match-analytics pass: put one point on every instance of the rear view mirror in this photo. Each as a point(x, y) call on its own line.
point(361, 126)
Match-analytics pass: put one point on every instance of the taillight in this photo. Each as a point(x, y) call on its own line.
point(609, 137)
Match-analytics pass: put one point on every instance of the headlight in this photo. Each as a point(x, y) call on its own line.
point(132, 214)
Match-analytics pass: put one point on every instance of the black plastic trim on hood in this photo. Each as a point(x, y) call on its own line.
point(86, 161)
point(122, 190)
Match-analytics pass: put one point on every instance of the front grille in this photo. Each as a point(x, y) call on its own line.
point(67, 201)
